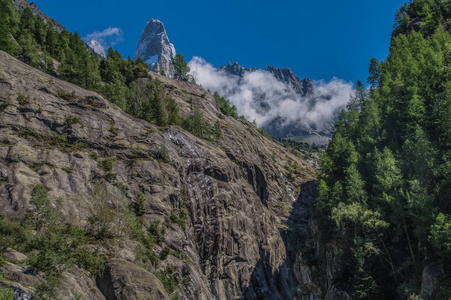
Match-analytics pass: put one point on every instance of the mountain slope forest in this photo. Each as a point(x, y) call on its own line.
point(384, 196)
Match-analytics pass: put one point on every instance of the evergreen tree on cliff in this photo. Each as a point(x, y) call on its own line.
point(181, 68)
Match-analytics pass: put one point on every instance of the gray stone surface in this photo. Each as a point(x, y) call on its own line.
point(236, 190)
point(13, 255)
point(123, 280)
point(155, 49)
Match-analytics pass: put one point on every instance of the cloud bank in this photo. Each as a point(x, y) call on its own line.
point(260, 96)
point(107, 37)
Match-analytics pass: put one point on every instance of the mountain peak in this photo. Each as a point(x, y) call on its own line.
point(301, 86)
point(97, 47)
point(154, 47)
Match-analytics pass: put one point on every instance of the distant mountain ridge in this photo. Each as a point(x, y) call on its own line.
point(301, 86)
point(296, 88)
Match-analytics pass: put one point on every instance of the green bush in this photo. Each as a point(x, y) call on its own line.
point(440, 236)
point(42, 213)
point(73, 120)
point(169, 279)
point(106, 164)
point(93, 156)
point(23, 99)
point(165, 253)
point(6, 293)
point(225, 106)
point(163, 154)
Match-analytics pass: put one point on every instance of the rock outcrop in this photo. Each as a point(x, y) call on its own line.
point(430, 282)
point(241, 202)
point(124, 280)
point(97, 47)
point(155, 49)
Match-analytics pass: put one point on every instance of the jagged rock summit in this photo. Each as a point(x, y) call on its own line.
point(155, 49)
point(301, 86)
point(97, 47)
point(295, 87)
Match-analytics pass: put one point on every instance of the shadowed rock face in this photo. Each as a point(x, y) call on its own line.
point(236, 189)
point(155, 49)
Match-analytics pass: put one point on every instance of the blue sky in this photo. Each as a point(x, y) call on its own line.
point(316, 39)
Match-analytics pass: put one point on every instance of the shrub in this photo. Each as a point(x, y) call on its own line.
point(165, 253)
point(6, 293)
point(106, 164)
point(73, 120)
point(42, 213)
point(22, 99)
point(163, 154)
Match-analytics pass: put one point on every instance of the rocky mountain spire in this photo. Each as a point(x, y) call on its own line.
point(155, 49)
point(301, 86)
point(97, 47)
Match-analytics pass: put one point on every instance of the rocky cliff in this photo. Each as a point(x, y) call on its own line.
point(246, 211)
point(97, 47)
point(155, 49)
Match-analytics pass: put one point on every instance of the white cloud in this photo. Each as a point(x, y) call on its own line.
point(108, 37)
point(317, 110)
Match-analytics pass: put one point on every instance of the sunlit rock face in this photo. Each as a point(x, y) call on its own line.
point(97, 47)
point(155, 49)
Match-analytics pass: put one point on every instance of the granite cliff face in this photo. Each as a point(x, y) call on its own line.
point(246, 210)
point(155, 49)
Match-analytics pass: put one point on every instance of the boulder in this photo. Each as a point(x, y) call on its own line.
point(124, 280)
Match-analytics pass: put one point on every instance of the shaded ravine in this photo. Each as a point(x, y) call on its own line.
point(283, 281)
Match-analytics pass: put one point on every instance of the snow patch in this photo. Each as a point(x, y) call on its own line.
point(152, 60)
point(97, 47)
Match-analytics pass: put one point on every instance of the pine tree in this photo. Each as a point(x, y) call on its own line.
point(181, 68)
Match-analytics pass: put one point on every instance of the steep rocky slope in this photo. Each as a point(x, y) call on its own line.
point(246, 210)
